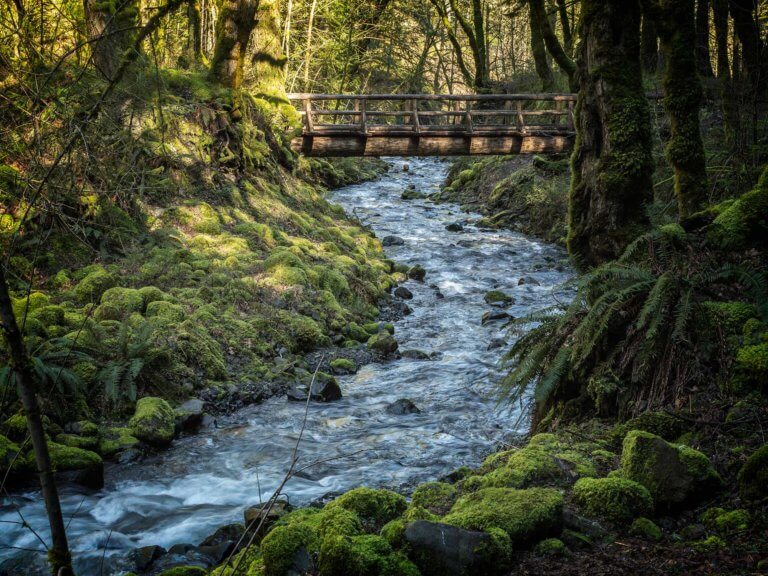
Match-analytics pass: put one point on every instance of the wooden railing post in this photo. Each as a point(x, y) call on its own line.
point(571, 119)
point(363, 117)
point(308, 115)
point(415, 116)
point(468, 116)
point(520, 117)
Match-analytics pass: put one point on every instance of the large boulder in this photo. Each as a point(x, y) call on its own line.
point(753, 476)
point(363, 555)
point(374, 507)
point(189, 416)
point(154, 422)
point(675, 475)
point(615, 499)
point(441, 549)
point(10, 458)
point(74, 465)
point(525, 515)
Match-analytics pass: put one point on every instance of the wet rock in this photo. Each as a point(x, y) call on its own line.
point(392, 241)
point(218, 552)
point(497, 343)
point(494, 317)
point(253, 514)
point(403, 292)
point(181, 549)
point(189, 416)
point(228, 533)
point(454, 227)
point(417, 273)
point(154, 422)
point(415, 354)
point(402, 407)
point(406, 168)
point(412, 194)
point(498, 298)
point(530, 280)
point(444, 549)
point(324, 389)
point(82, 467)
point(25, 564)
point(383, 343)
point(142, 558)
point(130, 455)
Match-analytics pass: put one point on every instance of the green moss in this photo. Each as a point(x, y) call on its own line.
point(94, 284)
point(367, 555)
point(658, 423)
point(374, 507)
point(28, 306)
point(729, 316)
point(151, 294)
point(551, 547)
point(615, 499)
point(117, 303)
point(84, 442)
point(437, 497)
point(743, 223)
point(753, 476)
point(165, 311)
point(498, 297)
point(305, 334)
point(343, 366)
point(280, 545)
point(523, 467)
point(69, 458)
point(184, 571)
point(751, 367)
point(15, 427)
point(525, 515)
point(153, 421)
point(383, 343)
point(644, 528)
point(115, 440)
point(709, 544)
point(726, 522)
point(9, 457)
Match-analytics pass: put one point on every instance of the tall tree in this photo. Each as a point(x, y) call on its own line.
point(727, 96)
point(112, 28)
point(682, 100)
point(611, 161)
point(539, 52)
point(237, 19)
point(268, 57)
point(649, 46)
point(59, 556)
point(703, 59)
point(538, 13)
point(754, 50)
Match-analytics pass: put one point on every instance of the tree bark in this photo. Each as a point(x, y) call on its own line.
point(564, 62)
point(539, 51)
point(195, 31)
point(112, 28)
point(682, 100)
point(268, 58)
point(649, 46)
point(753, 49)
point(703, 60)
point(59, 555)
point(611, 161)
point(237, 19)
point(728, 98)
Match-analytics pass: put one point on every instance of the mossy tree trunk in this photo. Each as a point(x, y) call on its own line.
point(753, 48)
point(728, 98)
point(649, 46)
point(58, 556)
point(195, 31)
point(538, 12)
point(682, 100)
point(539, 51)
point(112, 29)
point(237, 19)
point(611, 161)
point(268, 58)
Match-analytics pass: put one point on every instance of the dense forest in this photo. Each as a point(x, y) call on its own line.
point(548, 361)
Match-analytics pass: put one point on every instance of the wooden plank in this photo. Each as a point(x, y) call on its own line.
point(433, 97)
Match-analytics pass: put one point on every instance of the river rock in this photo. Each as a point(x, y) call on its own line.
point(383, 343)
point(412, 194)
point(454, 227)
point(417, 273)
point(443, 549)
point(528, 280)
point(498, 298)
point(497, 343)
point(403, 292)
point(392, 241)
point(189, 416)
point(402, 407)
point(142, 558)
point(415, 354)
point(76, 465)
point(228, 533)
point(252, 516)
point(494, 317)
point(325, 388)
point(154, 421)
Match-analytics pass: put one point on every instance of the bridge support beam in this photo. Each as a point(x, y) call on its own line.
point(427, 145)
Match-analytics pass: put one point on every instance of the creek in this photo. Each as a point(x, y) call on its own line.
point(205, 481)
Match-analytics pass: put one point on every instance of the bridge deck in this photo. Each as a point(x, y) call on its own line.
point(434, 124)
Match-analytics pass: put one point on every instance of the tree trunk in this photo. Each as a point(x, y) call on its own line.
point(703, 60)
point(753, 52)
point(195, 31)
point(682, 100)
point(237, 19)
point(268, 58)
point(565, 24)
point(649, 46)
point(308, 49)
point(611, 161)
point(728, 98)
point(568, 67)
point(112, 28)
point(539, 51)
point(58, 556)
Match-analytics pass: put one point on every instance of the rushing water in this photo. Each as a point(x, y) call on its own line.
point(207, 480)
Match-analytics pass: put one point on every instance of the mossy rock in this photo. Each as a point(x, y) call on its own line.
point(81, 466)
point(16, 427)
point(521, 468)
point(525, 515)
point(10, 458)
point(551, 547)
point(658, 423)
point(726, 521)
point(94, 284)
point(743, 223)
point(184, 571)
point(116, 440)
point(615, 499)
point(751, 368)
point(288, 547)
point(437, 497)
point(753, 476)
point(674, 474)
point(153, 421)
point(498, 297)
point(383, 343)
point(374, 507)
point(644, 528)
point(166, 311)
point(417, 273)
point(125, 300)
point(84, 442)
point(365, 555)
point(343, 366)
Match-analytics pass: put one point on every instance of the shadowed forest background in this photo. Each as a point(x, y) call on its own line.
point(168, 260)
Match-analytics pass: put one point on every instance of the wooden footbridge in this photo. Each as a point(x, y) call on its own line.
point(433, 124)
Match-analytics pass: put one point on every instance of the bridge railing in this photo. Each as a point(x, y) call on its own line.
point(435, 114)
